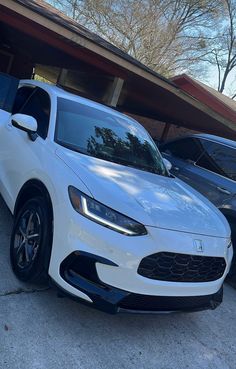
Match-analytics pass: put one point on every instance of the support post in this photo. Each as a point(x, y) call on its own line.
point(115, 91)
point(61, 80)
point(165, 132)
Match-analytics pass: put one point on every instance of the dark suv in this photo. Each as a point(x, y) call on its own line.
point(207, 163)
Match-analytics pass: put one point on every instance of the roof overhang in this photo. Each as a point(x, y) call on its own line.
point(144, 92)
point(215, 100)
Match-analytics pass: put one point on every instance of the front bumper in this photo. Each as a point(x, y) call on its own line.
point(116, 280)
point(79, 270)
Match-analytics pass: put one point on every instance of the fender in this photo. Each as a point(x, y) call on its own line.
point(31, 188)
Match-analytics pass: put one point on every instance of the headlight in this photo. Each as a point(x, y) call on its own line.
point(104, 215)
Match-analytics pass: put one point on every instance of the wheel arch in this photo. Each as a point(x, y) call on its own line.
point(30, 189)
point(33, 189)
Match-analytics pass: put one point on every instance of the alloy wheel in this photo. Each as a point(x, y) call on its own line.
point(27, 238)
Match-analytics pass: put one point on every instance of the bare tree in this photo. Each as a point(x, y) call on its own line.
point(224, 51)
point(168, 36)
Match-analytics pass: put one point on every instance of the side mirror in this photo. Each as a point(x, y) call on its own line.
point(25, 123)
point(167, 163)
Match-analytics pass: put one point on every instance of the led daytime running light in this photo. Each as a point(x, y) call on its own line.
point(101, 220)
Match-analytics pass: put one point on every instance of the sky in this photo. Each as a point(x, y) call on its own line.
point(211, 77)
point(212, 80)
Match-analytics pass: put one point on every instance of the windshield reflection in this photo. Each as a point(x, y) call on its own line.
point(106, 136)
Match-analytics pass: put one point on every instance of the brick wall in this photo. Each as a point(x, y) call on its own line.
point(155, 128)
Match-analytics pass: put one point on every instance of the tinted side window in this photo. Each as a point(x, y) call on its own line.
point(8, 90)
point(219, 159)
point(38, 106)
point(187, 149)
point(22, 96)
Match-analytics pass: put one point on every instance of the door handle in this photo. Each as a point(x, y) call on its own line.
point(223, 190)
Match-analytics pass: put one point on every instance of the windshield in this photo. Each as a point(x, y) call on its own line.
point(106, 136)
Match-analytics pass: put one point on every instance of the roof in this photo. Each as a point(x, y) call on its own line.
point(57, 16)
point(219, 96)
point(217, 139)
point(28, 23)
point(217, 101)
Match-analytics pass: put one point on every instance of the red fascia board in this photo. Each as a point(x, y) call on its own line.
point(41, 33)
point(201, 94)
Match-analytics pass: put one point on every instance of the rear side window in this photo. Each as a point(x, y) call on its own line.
point(219, 159)
point(186, 149)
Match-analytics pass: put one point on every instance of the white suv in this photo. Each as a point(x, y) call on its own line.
point(96, 209)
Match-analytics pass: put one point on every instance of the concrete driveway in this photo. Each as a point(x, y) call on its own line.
point(39, 330)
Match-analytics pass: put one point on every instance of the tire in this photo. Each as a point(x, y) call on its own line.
point(31, 241)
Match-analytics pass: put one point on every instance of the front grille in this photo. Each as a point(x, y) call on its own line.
point(172, 267)
point(138, 302)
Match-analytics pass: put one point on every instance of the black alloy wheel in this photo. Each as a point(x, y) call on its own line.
point(31, 241)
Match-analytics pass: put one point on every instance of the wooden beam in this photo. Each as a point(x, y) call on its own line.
point(30, 21)
point(114, 92)
point(39, 32)
point(165, 132)
point(61, 80)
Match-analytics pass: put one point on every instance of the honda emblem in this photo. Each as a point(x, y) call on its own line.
point(199, 245)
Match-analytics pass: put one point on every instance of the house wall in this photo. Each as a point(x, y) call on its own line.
point(155, 128)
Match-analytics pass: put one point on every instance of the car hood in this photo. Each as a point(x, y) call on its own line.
point(150, 199)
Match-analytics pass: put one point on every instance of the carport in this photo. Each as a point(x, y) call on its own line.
point(36, 38)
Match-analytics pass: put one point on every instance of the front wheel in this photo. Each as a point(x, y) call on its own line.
point(31, 241)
